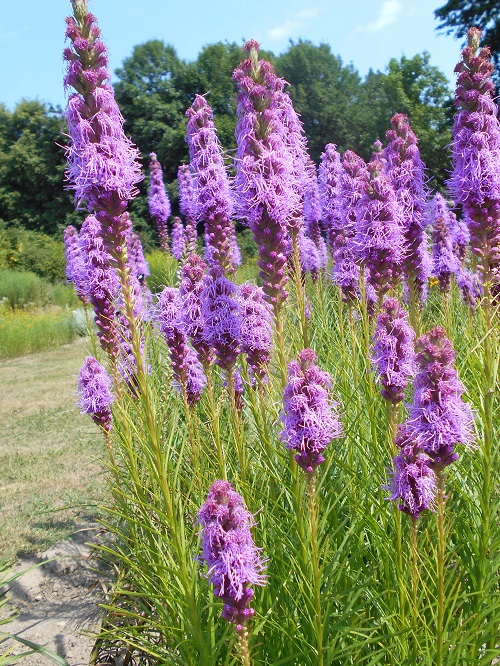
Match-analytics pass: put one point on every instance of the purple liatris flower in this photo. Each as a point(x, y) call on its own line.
point(330, 171)
point(379, 239)
point(460, 236)
point(264, 182)
point(413, 482)
point(394, 350)
point(310, 261)
point(214, 199)
point(309, 418)
point(103, 163)
point(353, 181)
point(159, 203)
point(470, 285)
point(475, 182)
point(312, 213)
point(186, 368)
point(444, 259)
point(75, 263)
point(190, 291)
point(233, 561)
point(102, 284)
point(96, 398)
point(439, 419)
point(406, 171)
point(187, 204)
point(256, 332)
point(178, 239)
point(221, 317)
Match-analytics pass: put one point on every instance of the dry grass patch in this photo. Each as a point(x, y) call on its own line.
point(50, 479)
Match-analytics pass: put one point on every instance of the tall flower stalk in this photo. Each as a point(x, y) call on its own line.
point(103, 167)
point(264, 177)
point(406, 170)
point(310, 423)
point(475, 184)
point(234, 563)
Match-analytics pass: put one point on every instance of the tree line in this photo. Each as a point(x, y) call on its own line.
point(154, 87)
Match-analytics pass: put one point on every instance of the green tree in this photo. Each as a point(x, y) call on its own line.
point(324, 92)
point(148, 95)
point(418, 89)
point(457, 16)
point(32, 164)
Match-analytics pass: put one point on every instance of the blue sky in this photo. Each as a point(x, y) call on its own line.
point(365, 32)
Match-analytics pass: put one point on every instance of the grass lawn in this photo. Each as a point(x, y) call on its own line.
point(50, 475)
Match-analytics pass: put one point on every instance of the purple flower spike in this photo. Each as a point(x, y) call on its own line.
point(444, 259)
point(406, 171)
point(470, 285)
point(187, 369)
point(379, 237)
point(221, 318)
point(460, 236)
point(439, 419)
point(413, 483)
point(394, 350)
point(102, 283)
point(103, 163)
point(96, 398)
point(159, 203)
point(353, 181)
point(310, 261)
point(187, 204)
point(75, 263)
point(475, 182)
point(233, 561)
point(214, 200)
point(190, 291)
point(264, 184)
point(309, 418)
point(330, 172)
point(256, 332)
point(178, 239)
point(312, 213)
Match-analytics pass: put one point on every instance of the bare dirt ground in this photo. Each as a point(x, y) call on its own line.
point(50, 484)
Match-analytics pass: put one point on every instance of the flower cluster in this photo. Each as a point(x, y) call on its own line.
point(96, 398)
point(444, 259)
point(393, 350)
point(234, 562)
point(438, 421)
point(159, 203)
point(256, 332)
point(221, 318)
point(186, 368)
point(475, 182)
point(264, 183)
point(76, 271)
point(214, 199)
point(103, 167)
point(309, 419)
point(406, 171)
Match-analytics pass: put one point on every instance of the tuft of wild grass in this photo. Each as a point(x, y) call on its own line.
point(164, 459)
point(23, 289)
point(24, 332)
point(163, 268)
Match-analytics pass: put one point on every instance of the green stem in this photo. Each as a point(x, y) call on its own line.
point(238, 432)
point(214, 420)
point(300, 292)
point(280, 339)
point(441, 547)
point(243, 646)
point(313, 521)
point(414, 587)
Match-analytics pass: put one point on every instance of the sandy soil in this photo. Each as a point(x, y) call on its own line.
point(58, 600)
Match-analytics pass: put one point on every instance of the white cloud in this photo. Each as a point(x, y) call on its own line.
point(291, 26)
point(388, 13)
